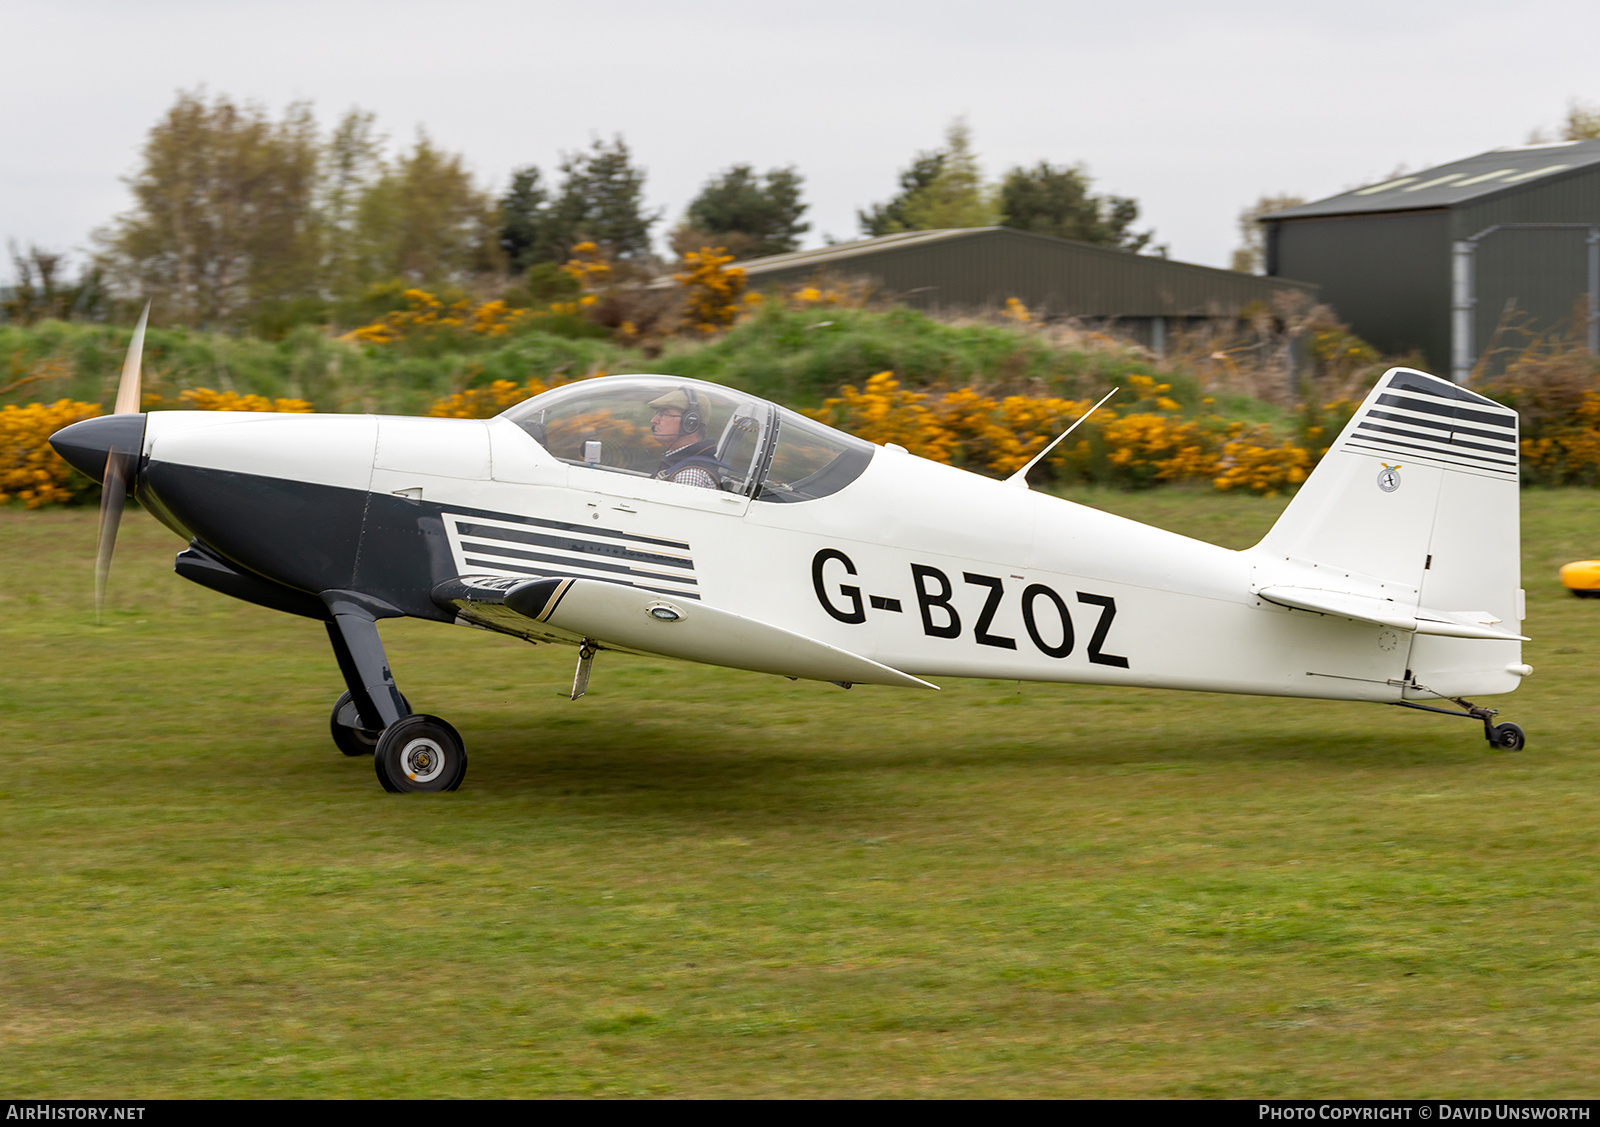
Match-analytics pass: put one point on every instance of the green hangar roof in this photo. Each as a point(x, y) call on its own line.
point(981, 267)
point(1499, 171)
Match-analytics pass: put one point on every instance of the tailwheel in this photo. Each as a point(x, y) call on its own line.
point(1508, 737)
point(420, 753)
point(348, 734)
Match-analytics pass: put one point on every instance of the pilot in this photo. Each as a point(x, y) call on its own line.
point(679, 425)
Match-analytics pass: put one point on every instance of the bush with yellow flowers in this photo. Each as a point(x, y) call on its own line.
point(427, 319)
point(713, 290)
point(1147, 442)
point(486, 402)
point(830, 292)
point(204, 399)
point(1252, 460)
point(1567, 454)
point(884, 412)
point(1554, 386)
point(30, 470)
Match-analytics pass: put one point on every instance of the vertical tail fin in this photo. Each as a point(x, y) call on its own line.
point(1417, 502)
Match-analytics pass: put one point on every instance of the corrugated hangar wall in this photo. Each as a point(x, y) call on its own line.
point(1387, 274)
point(980, 268)
point(1390, 271)
point(1531, 282)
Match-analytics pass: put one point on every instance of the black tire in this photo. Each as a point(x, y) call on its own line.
point(1509, 737)
point(420, 753)
point(351, 740)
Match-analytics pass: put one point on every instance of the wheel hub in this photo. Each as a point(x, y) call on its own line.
point(422, 759)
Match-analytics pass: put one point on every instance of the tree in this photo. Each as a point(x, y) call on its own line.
point(956, 196)
point(749, 218)
point(223, 212)
point(600, 200)
point(352, 161)
point(888, 217)
point(1583, 122)
point(1051, 200)
point(1250, 257)
point(943, 188)
point(42, 291)
point(525, 221)
point(424, 220)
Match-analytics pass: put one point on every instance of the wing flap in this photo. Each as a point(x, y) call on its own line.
point(1386, 612)
point(628, 618)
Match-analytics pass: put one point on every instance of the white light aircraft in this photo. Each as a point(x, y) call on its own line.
point(660, 515)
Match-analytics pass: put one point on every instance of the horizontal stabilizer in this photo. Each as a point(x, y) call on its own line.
point(633, 619)
point(1386, 612)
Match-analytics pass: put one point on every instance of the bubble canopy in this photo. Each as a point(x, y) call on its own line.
point(693, 433)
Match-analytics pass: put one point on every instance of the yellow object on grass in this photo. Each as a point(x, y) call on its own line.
point(1582, 578)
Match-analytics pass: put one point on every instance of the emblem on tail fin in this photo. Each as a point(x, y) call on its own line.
point(1389, 477)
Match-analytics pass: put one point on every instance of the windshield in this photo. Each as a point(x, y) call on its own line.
point(692, 433)
point(811, 460)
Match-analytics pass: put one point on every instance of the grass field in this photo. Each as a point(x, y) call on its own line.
point(696, 882)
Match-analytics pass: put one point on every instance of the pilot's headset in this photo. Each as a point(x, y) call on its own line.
point(692, 418)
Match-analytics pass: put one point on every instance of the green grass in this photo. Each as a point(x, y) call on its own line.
point(696, 882)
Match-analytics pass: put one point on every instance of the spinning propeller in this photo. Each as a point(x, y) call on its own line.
point(120, 465)
point(108, 449)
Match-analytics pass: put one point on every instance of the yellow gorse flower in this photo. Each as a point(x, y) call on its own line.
point(425, 313)
point(486, 402)
point(204, 399)
point(29, 469)
point(1000, 436)
point(713, 289)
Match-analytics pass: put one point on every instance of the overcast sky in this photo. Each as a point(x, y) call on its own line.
point(1194, 109)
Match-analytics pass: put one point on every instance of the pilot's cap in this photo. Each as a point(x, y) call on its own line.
point(678, 400)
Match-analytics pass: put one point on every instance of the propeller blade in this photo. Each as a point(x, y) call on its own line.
point(128, 389)
point(113, 496)
point(114, 485)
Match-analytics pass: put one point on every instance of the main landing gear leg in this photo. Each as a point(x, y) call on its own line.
point(410, 752)
point(1509, 737)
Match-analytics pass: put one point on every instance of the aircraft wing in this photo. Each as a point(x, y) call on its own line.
point(627, 618)
point(1385, 612)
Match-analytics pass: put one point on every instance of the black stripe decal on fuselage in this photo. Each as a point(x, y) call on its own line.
point(570, 544)
point(586, 565)
point(467, 512)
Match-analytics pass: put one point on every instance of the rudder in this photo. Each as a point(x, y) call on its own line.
point(1416, 501)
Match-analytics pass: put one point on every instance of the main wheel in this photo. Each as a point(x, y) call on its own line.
point(345, 724)
point(1509, 737)
point(420, 753)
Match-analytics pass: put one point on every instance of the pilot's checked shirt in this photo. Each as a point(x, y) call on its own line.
point(692, 475)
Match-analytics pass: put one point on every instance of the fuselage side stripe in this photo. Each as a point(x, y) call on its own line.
point(566, 561)
point(464, 513)
point(570, 544)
